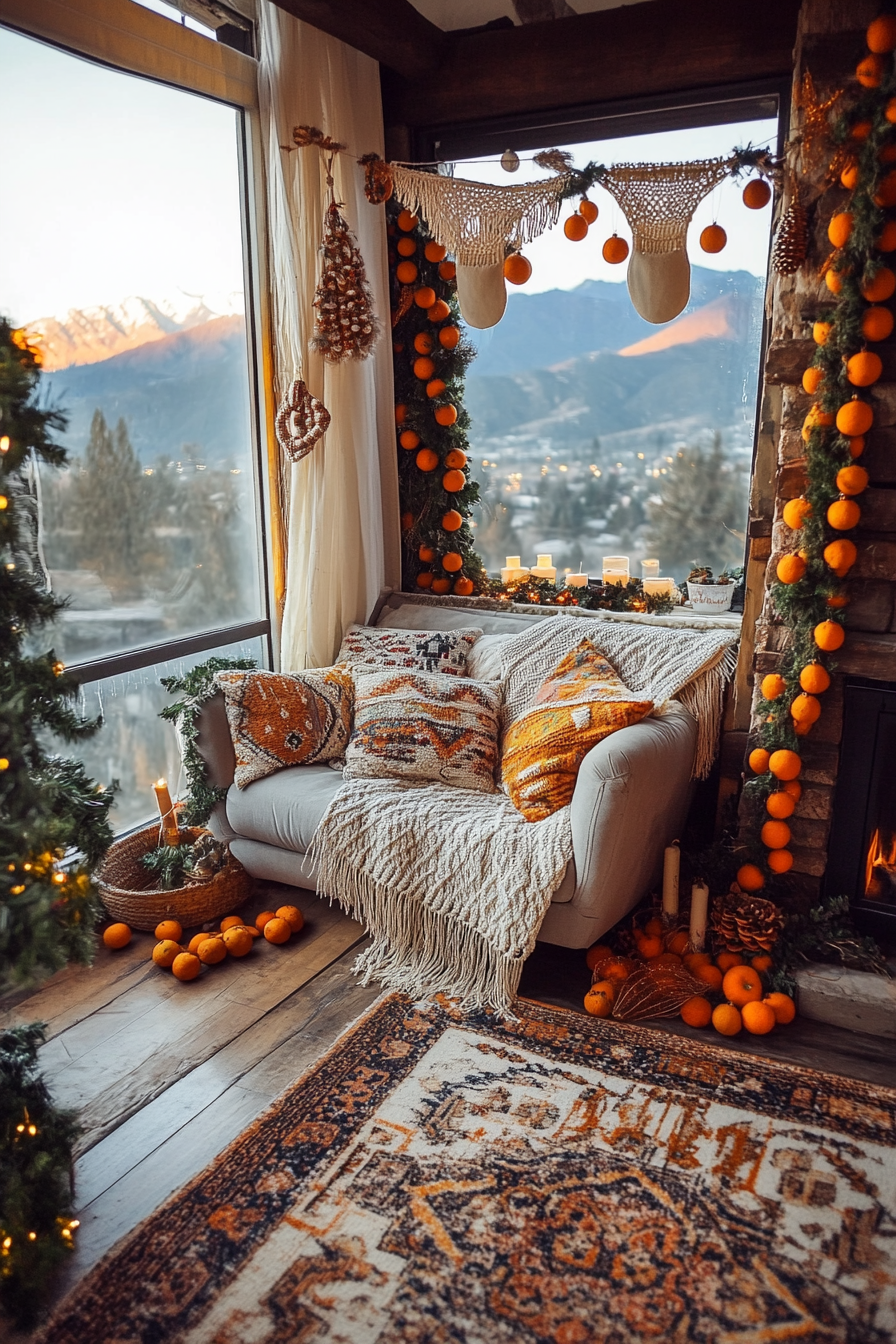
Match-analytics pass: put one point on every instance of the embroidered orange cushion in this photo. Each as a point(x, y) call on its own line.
point(581, 702)
point(277, 720)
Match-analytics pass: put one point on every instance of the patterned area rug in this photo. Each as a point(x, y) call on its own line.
point(437, 1178)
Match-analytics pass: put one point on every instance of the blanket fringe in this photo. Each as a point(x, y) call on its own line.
point(704, 696)
point(416, 950)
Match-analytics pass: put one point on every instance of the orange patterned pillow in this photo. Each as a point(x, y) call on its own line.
point(581, 702)
point(277, 720)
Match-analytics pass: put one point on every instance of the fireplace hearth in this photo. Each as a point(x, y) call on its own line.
point(862, 852)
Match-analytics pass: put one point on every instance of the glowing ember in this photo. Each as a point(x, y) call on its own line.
point(880, 868)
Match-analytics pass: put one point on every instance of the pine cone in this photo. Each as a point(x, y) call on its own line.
point(746, 924)
point(791, 241)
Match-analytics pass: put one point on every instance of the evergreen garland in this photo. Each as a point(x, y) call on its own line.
point(197, 687)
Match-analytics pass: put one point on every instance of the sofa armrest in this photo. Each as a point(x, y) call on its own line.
point(630, 801)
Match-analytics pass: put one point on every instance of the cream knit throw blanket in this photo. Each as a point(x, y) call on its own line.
point(452, 884)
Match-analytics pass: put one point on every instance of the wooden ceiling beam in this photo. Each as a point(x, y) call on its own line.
point(639, 50)
point(393, 32)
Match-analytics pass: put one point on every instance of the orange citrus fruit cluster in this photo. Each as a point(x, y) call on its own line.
point(233, 937)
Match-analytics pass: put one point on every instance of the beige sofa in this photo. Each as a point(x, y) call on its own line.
point(629, 803)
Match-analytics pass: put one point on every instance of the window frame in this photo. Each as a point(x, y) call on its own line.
point(123, 36)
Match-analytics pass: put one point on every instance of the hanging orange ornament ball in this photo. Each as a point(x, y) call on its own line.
point(849, 178)
point(843, 514)
point(407, 522)
point(425, 297)
point(441, 586)
point(451, 521)
point(829, 636)
point(864, 368)
point(785, 764)
point(517, 268)
point(840, 228)
point(409, 440)
point(812, 380)
point(575, 228)
point(463, 586)
point(816, 417)
point(426, 554)
point(795, 511)
point(713, 238)
point(857, 446)
point(452, 561)
point(870, 71)
point(588, 210)
point(805, 709)
point(790, 568)
point(447, 270)
point(427, 460)
point(852, 480)
point(749, 877)
point(434, 251)
point(780, 860)
point(772, 686)
point(834, 280)
point(780, 805)
point(423, 343)
point(406, 247)
point(757, 194)
point(614, 250)
point(406, 272)
point(759, 759)
point(886, 239)
point(860, 130)
point(841, 555)
point(453, 481)
point(449, 338)
point(837, 600)
point(435, 387)
point(438, 311)
point(880, 287)
point(401, 412)
point(854, 417)
point(446, 415)
point(775, 834)
point(820, 332)
point(456, 458)
point(881, 34)
point(877, 324)
point(407, 222)
point(424, 368)
point(815, 679)
point(885, 196)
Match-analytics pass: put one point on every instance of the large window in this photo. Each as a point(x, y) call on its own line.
point(595, 432)
point(125, 260)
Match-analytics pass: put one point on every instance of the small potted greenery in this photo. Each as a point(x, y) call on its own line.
point(711, 596)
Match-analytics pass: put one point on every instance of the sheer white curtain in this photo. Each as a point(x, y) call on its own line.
point(343, 497)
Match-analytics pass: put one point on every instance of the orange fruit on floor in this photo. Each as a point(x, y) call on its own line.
point(870, 71)
point(815, 679)
point(710, 975)
point(423, 343)
point(597, 952)
point(409, 440)
point(453, 481)
point(852, 480)
point(880, 288)
point(434, 251)
point(725, 960)
point(812, 379)
point(277, 930)
point(517, 268)
point(758, 1018)
point(790, 568)
point(794, 788)
point(427, 460)
point(607, 987)
point(726, 1019)
point(452, 561)
point(449, 338)
point(407, 222)
point(877, 323)
point(575, 228)
point(230, 922)
point(650, 948)
point(654, 927)
point(169, 929)
point(614, 250)
point(742, 985)
point(697, 1012)
point(588, 210)
point(841, 555)
point(759, 759)
point(864, 368)
point(780, 860)
point(757, 194)
point(617, 971)
point(424, 579)
point(193, 945)
point(880, 34)
point(840, 228)
point(820, 332)
point(164, 952)
point(678, 942)
point(843, 514)
point(447, 270)
point(293, 916)
point(117, 936)
point(211, 951)
point(406, 272)
point(438, 311)
point(456, 458)
point(597, 1002)
point(425, 297)
point(667, 959)
point(829, 636)
point(772, 686)
point(186, 966)
point(780, 805)
point(452, 521)
point(854, 418)
point(805, 708)
point(446, 416)
point(782, 1005)
point(795, 512)
point(238, 940)
point(749, 877)
point(785, 764)
point(695, 959)
point(405, 247)
point(713, 238)
point(762, 962)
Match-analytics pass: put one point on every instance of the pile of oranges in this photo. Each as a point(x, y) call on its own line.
point(208, 947)
point(744, 1005)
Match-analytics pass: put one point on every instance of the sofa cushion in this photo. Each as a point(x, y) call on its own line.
point(579, 704)
point(285, 808)
point(278, 720)
point(415, 726)
point(443, 651)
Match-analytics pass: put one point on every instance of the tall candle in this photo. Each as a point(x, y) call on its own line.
point(699, 904)
point(544, 569)
point(170, 832)
point(615, 569)
point(671, 865)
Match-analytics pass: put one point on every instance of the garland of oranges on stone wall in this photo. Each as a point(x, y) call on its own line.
point(810, 590)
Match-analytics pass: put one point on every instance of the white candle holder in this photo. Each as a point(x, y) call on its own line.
point(658, 587)
point(543, 569)
point(650, 569)
point(616, 569)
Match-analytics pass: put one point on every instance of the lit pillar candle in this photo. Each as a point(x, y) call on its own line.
point(615, 569)
point(577, 580)
point(699, 905)
point(170, 832)
point(513, 571)
point(544, 569)
point(671, 865)
point(658, 587)
point(650, 569)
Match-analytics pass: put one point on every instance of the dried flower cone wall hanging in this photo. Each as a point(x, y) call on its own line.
point(301, 421)
point(345, 326)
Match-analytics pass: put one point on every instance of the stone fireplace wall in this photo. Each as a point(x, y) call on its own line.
point(830, 42)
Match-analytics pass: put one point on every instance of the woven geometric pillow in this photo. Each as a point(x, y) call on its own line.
point(581, 702)
point(277, 720)
point(415, 725)
point(419, 650)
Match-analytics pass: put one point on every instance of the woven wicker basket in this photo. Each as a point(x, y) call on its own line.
point(125, 886)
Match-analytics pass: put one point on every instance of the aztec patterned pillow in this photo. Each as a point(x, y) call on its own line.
point(413, 725)
point(418, 650)
point(277, 720)
point(581, 702)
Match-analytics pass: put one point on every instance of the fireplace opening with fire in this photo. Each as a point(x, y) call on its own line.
point(880, 869)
